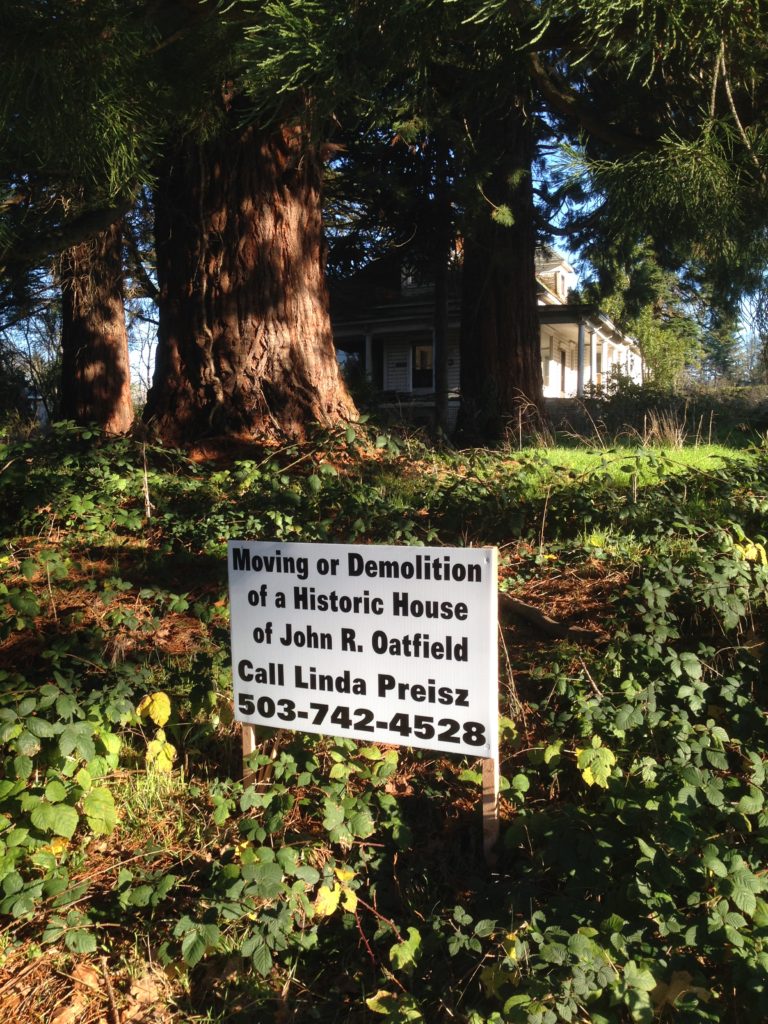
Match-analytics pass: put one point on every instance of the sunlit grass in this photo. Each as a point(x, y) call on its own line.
point(621, 463)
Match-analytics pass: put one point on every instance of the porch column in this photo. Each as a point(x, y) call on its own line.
point(593, 336)
point(369, 357)
point(580, 362)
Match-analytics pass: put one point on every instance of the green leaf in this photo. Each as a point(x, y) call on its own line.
point(521, 783)
point(361, 824)
point(308, 874)
point(370, 753)
point(13, 883)
point(552, 752)
point(269, 880)
point(639, 978)
point(262, 958)
point(66, 705)
point(691, 665)
point(404, 954)
point(26, 744)
point(61, 819)
point(28, 568)
point(99, 807)
point(334, 815)
point(648, 851)
point(79, 940)
point(744, 899)
point(40, 728)
point(196, 943)
point(752, 803)
point(712, 862)
point(55, 792)
point(595, 763)
point(23, 766)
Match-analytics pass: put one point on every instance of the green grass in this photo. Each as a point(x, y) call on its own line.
point(620, 462)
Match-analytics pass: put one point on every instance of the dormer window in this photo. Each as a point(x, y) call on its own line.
point(408, 276)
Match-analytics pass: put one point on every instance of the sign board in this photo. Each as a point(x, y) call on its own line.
point(384, 644)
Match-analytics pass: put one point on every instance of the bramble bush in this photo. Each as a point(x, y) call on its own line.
point(631, 876)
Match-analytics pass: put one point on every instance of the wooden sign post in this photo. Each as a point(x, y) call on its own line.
point(249, 745)
point(490, 809)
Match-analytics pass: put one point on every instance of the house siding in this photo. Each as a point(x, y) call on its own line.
point(397, 366)
point(454, 369)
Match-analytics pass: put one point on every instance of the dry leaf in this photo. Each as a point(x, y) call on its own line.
point(86, 974)
point(72, 1014)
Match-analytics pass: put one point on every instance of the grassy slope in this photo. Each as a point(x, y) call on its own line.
point(632, 869)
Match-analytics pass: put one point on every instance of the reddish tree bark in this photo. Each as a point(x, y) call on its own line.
point(244, 344)
point(95, 372)
point(500, 347)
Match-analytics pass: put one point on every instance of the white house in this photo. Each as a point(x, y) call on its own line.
point(581, 348)
point(388, 340)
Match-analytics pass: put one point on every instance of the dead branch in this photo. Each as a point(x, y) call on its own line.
point(512, 606)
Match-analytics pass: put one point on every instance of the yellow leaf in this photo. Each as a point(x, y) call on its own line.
point(156, 706)
point(57, 846)
point(344, 874)
point(509, 945)
point(160, 755)
point(348, 899)
point(381, 1002)
point(327, 901)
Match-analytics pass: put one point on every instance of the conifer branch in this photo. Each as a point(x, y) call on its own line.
point(64, 237)
point(568, 103)
point(736, 118)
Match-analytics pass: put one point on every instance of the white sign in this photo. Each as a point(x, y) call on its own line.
point(385, 644)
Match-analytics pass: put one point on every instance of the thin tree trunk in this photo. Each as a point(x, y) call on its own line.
point(95, 372)
point(501, 381)
point(244, 343)
point(443, 238)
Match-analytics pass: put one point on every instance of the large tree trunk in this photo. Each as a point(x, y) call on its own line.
point(501, 381)
point(95, 373)
point(244, 343)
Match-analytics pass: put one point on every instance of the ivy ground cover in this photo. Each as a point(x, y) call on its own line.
point(140, 880)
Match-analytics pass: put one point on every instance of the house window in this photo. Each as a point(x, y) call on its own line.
point(563, 368)
point(547, 355)
point(422, 366)
point(350, 355)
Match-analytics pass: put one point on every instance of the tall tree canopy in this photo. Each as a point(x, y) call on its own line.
point(655, 110)
point(225, 108)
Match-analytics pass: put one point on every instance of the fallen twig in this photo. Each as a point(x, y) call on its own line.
point(113, 1011)
point(509, 605)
